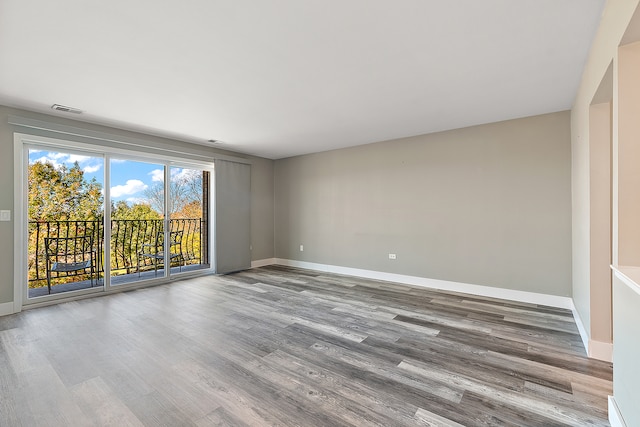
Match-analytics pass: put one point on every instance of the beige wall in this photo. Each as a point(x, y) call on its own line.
point(615, 19)
point(261, 183)
point(486, 205)
point(587, 218)
point(600, 223)
point(628, 154)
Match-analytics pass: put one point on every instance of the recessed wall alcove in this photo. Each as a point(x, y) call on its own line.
point(625, 125)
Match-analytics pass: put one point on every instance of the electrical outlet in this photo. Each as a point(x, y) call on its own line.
point(5, 215)
point(301, 248)
point(392, 256)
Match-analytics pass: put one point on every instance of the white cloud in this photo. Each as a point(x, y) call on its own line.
point(77, 158)
point(157, 175)
point(47, 159)
point(64, 159)
point(92, 169)
point(132, 186)
point(180, 174)
point(177, 174)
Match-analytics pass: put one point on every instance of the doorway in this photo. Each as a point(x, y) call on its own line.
point(99, 220)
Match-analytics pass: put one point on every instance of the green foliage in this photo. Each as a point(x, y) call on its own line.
point(69, 203)
point(62, 202)
point(122, 210)
point(60, 194)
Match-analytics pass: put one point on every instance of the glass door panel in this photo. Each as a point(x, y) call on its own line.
point(189, 219)
point(65, 222)
point(137, 201)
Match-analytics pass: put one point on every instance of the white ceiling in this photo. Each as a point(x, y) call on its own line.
point(278, 78)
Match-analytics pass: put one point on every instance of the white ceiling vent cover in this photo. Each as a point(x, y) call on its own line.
point(66, 109)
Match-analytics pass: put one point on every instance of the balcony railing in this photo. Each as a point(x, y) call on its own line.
point(128, 239)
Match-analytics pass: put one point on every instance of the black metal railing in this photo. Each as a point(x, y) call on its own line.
point(128, 236)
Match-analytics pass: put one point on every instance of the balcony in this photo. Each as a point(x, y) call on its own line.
point(135, 252)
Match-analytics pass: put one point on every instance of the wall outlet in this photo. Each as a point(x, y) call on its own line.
point(392, 256)
point(301, 248)
point(5, 215)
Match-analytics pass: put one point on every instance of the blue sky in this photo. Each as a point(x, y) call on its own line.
point(129, 179)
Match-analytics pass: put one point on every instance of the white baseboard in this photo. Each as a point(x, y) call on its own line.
point(595, 349)
point(6, 308)
point(615, 417)
point(487, 291)
point(600, 350)
point(262, 262)
point(583, 332)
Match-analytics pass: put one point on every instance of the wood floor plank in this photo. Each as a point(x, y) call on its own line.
point(426, 418)
point(532, 407)
point(282, 346)
point(102, 405)
point(220, 418)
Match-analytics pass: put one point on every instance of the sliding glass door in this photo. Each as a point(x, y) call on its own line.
point(137, 223)
point(189, 218)
point(159, 219)
point(156, 226)
point(65, 210)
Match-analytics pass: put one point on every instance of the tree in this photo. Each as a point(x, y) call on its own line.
point(132, 226)
point(62, 194)
point(61, 203)
point(192, 210)
point(185, 189)
point(122, 210)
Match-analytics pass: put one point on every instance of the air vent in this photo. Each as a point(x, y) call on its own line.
point(66, 109)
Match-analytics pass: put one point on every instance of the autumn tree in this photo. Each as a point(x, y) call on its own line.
point(62, 193)
point(185, 191)
point(132, 227)
point(122, 210)
point(68, 203)
point(190, 210)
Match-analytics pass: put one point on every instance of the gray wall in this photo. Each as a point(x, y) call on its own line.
point(487, 205)
point(262, 209)
point(261, 184)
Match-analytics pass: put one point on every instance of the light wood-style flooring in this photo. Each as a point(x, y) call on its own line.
point(278, 346)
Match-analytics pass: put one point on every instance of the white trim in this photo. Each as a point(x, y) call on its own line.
point(6, 308)
point(630, 276)
point(134, 143)
point(106, 220)
point(583, 332)
point(20, 233)
point(24, 141)
point(595, 349)
point(615, 417)
point(601, 350)
point(262, 262)
point(141, 154)
point(487, 291)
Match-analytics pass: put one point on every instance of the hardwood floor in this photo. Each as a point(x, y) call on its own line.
point(283, 346)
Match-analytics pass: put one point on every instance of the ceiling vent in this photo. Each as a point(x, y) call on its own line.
point(66, 109)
